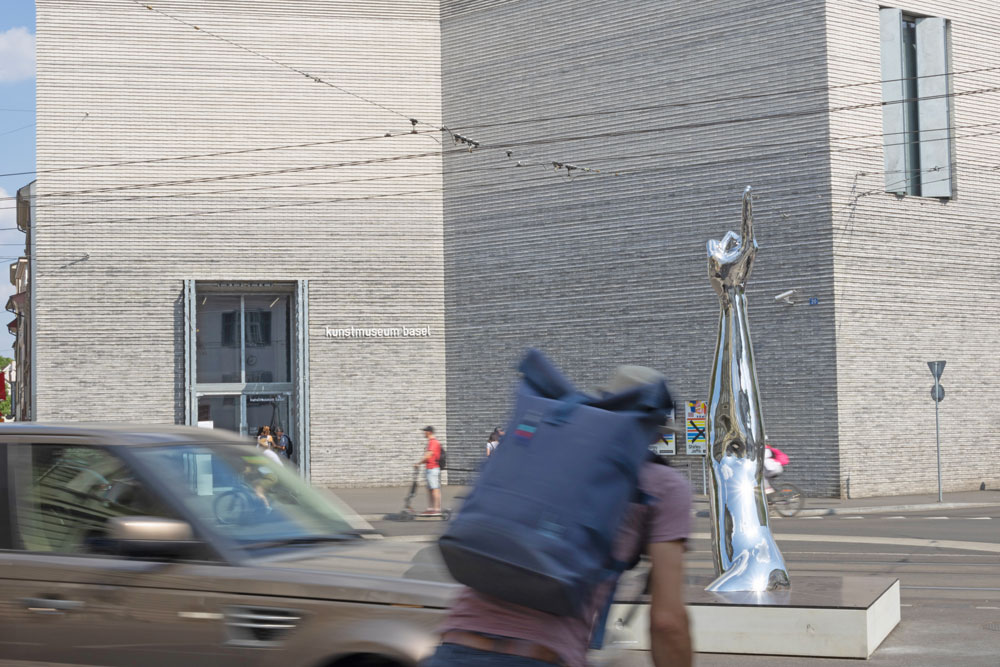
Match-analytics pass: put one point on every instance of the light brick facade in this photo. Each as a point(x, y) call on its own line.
point(119, 83)
point(679, 105)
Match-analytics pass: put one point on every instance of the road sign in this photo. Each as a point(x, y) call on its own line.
point(697, 420)
point(937, 393)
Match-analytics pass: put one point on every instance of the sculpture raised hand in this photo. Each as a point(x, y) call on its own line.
point(745, 554)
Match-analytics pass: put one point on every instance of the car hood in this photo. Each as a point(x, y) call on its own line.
point(382, 558)
point(377, 571)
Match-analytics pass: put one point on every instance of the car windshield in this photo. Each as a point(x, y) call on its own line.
point(248, 497)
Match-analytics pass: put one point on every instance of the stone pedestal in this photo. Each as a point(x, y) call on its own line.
point(830, 617)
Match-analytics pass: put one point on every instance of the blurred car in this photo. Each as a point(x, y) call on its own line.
point(181, 546)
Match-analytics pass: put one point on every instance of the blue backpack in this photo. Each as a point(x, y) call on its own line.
point(538, 528)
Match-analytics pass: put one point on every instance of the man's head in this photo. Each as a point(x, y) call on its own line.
point(279, 432)
point(428, 432)
point(626, 377)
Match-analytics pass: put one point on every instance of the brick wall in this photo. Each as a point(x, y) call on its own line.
point(119, 83)
point(915, 277)
point(603, 269)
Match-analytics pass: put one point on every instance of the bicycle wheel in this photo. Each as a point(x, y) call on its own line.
point(787, 499)
point(232, 507)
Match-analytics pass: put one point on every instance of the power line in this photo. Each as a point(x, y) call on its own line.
point(510, 153)
point(458, 138)
point(732, 98)
point(625, 171)
point(17, 129)
point(825, 179)
point(628, 157)
point(308, 144)
point(490, 125)
point(276, 62)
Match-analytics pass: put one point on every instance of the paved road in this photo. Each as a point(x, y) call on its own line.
point(950, 596)
point(948, 563)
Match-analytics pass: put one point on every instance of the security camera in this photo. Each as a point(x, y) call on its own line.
point(786, 297)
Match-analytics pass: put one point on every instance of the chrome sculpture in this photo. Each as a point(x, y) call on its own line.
point(745, 554)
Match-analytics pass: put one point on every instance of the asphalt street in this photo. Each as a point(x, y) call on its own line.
point(948, 563)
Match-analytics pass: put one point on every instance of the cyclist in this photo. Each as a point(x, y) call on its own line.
point(261, 478)
point(774, 464)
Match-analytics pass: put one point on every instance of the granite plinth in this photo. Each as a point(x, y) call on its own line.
point(832, 617)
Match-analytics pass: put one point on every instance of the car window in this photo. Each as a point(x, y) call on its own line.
point(65, 495)
point(241, 494)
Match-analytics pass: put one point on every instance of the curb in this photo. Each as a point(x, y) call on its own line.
point(831, 511)
point(925, 507)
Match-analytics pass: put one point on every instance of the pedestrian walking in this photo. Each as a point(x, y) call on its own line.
point(283, 443)
point(432, 461)
point(493, 441)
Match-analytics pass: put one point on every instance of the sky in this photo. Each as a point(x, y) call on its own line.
point(17, 135)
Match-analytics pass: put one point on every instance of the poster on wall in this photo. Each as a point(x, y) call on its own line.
point(697, 423)
point(665, 446)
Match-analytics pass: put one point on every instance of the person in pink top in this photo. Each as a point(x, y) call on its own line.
point(481, 631)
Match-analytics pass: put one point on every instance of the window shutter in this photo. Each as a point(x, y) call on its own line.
point(934, 107)
point(893, 90)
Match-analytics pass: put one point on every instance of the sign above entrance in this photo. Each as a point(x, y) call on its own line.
point(265, 399)
point(378, 332)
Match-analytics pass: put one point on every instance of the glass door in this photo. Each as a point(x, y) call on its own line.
point(268, 410)
point(245, 362)
point(220, 411)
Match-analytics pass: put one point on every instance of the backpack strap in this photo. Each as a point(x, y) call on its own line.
point(601, 623)
point(615, 570)
point(562, 414)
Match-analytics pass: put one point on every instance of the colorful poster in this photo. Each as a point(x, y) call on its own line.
point(697, 424)
point(665, 446)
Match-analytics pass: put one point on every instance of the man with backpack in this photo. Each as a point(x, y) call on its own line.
point(432, 461)
point(530, 616)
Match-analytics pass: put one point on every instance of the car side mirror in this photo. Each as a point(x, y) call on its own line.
point(151, 537)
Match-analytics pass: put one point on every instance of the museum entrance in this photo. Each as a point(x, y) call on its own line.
point(246, 413)
point(246, 346)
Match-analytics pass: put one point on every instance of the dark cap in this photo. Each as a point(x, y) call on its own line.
point(428, 429)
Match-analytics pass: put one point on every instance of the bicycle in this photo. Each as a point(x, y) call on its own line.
point(786, 498)
point(239, 505)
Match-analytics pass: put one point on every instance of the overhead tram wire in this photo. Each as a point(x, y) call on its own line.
point(542, 141)
point(485, 169)
point(522, 121)
point(680, 166)
point(272, 60)
point(309, 144)
point(681, 189)
point(458, 138)
point(732, 98)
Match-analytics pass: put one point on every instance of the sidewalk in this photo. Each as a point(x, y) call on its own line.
point(375, 502)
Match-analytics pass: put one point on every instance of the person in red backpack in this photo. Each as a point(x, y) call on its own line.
point(432, 460)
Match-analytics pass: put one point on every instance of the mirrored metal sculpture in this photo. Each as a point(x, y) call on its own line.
point(746, 556)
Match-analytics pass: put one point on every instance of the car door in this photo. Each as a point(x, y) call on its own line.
point(66, 598)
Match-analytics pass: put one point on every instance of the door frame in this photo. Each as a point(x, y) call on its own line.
point(297, 389)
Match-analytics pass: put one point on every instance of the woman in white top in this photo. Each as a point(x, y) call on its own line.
point(494, 440)
point(264, 438)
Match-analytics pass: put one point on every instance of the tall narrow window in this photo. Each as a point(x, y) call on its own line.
point(916, 112)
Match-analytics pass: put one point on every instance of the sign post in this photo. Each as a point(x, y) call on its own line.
point(697, 435)
point(937, 393)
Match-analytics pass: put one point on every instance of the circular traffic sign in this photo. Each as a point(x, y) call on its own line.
point(937, 393)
